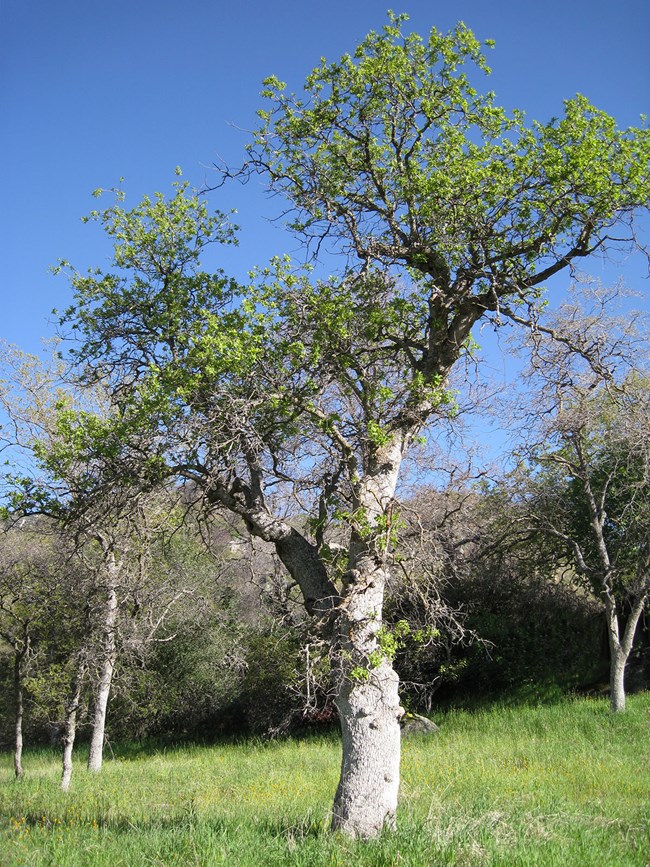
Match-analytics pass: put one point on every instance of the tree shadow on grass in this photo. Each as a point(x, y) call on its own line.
point(136, 750)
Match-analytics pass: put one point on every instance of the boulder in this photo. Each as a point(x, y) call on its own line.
point(413, 723)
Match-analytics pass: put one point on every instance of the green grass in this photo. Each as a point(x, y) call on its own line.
point(560, 784)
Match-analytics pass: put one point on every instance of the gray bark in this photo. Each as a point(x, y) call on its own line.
point(22, 648)
point(620, 648)
point(18, 698)
point(109, 655)
point(367, 693)
point(70, 728)
point(96, 751)
point(298, 555)
point(617, 680)
point(369, 710)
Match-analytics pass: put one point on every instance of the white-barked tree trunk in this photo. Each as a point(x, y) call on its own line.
point(106, 669)
point(21, 655)
point(70, 727)
point(367, 694)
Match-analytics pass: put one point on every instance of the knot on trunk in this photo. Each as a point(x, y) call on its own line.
point(352, 576)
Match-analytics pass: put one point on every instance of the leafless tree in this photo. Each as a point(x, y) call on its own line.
point(584, 476)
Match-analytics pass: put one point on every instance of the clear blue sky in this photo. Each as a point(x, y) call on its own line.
point(91, 91)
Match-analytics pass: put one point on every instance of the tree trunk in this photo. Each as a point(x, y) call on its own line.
point(369, 710)
point(70, 729)
point(367, 692)
point(617, 656)
point(96, 753)
point(18, 698)
point(620, 649)
point(617, 679)
point(366, 684)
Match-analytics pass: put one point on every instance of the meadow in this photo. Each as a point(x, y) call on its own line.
point(564, 783)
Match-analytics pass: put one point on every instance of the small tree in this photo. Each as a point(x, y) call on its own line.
point(447, 211)
point(41, 613)
point(136, 586)
point(34, 599)
point(112, 539)
point(21, 585)
point(586, 481)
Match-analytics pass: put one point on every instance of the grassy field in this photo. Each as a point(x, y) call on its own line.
point(561, 784)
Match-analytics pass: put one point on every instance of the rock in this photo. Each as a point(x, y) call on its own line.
point(413, 723)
